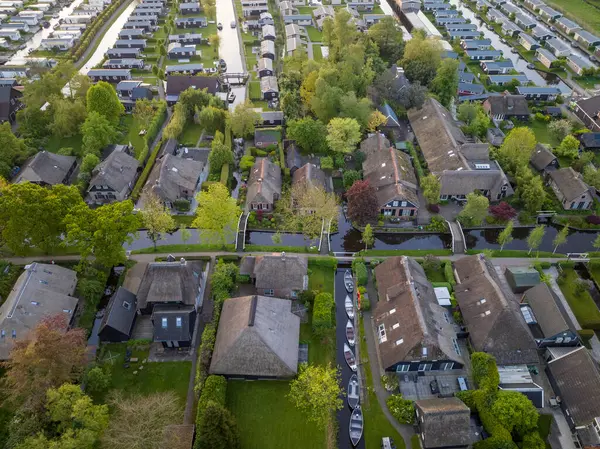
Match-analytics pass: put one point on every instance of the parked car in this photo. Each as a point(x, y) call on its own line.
point(219, 26)
point(233, 24)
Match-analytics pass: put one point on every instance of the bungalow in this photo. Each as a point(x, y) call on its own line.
point(508, 8)
point(391, 173)
point(442, 21)
point(138, 93)
point(58, 43)
point(41, 6)
point(138, 24)
point(175, 178)
point(189, 8)
point(361, 6)
point(575, 377)
point(257, 338)
point(123, 52)
point(406, 5)
point(7, 11)
point(549, 13)
point(465, 35)
point(13, 35)
point(178, 51)
point(110, 75)
point(578, 65)
point(525, 21)
point(323, 11)
point(466, 77)
point(294, 30)
point(494, 322)
point(266, 18)
point(545, 57)
point(287, 9)
point(586, 38)
point(10, 102)
point(191, 22)
point(435, 6)
point(140, 12)
point(589, 112)
point(265, 138)
point(483, 55)
point(29, 20)
point(496, 16)
point(558, 47)
point(29, 13)
point(254, 8)
point(178, 83)
point(78, 18)
point(23, 27)
point(590, 141)
point(477, 44)
point(47, 169)
point(441, 13)
point(414, 333)
point(460, 27)
point(188, 38)
point(265, 67)
point(132, 34)
point(372, 19)
point(125, 88)
point(269, 89)
point(566, 25)
point(298, 19)
point(497, 67)
point(571, 191)
point(528, 42)
point(152, 19)
point(271, 118)
point(501, 80)
point(264, 186)
point(542, 159)
point(505, 107)
point(123, 64)
point(465, 88)
point(534, 93)
point(542, 33)
point(533, 4)
point(130, 43)
point(268, 32)
point(184, 69)
point(510, 29)
point(267, 49)
point(113, 178)
point(279, 275)
point(443, 422)
point(292, 44)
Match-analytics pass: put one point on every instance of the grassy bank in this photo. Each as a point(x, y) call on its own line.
point(581, 303)
point(518, 253)
point(194, 247)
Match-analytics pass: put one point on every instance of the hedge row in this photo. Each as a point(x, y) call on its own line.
point(361, 272)
point(224, 174)
point(329, 262)
point(322, 319)
point(139, 185)
point(449, 274)
point(215, 390)
point(157, 121)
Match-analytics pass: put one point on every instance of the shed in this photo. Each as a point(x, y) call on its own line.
point(119, 317)
point(521, 278)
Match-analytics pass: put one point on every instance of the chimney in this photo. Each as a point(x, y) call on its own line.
point(182, 261)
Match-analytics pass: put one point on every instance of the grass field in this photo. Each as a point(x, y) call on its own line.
point(584, 12)
point(191, 134)
point(317, 54)
point(133, 134)
point(321, 278)
point(582, 304)
point(254, 90)
point(314, 34)
point(56, 143)
point(267, 419)
point(542, 135)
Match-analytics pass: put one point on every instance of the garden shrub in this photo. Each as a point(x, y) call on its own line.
point(434, 208)
point(327, 163)
point(449, 273)
point(567, 264)
point(365, 303)
point(244, 279)
point(437, 224)
point(224, 174)
point(307, 297)
point(207, 344)
point(485, 372)
point(322, 319)
point(135, 193)
point(361, 272)
point(585, 335)
point(246, 162)
point(182, 205)
point(206, 184)
point(215, 389)
point(402, 409)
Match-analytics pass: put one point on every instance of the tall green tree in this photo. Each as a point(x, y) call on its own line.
point(317, 392)
point(156, 218)
point(102, 232)
point(560, 238)
point(559, 129)
point(143, 112)
point(445, 83)
point(102, 98)
point(217, 215)
point(309, 134)
point(343, 134)
point(475, 210)
point(212, 119)
point(14, 151)
point(67, 116)
point(516, 149)
point(218, 429)
point(367, 236)
point(244, 119)
point(422, 58)
point(530, 189)
point(219, 155)
point(515, 412)
point(388, 37)
point(97, 133)
point(569, 148)
point(505, 237)
point(358, 109)
point(534, 239)
point(431, 187)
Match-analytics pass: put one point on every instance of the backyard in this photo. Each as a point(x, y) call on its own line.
point(131, 134)
point(191, 134)
point(55, 143)
point(580, 301)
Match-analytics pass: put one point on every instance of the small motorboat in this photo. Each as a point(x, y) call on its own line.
point(350, 333)
point(349, 356)
point(353, 394)
point(349, 307)
point(348, 281)
point(356, 426)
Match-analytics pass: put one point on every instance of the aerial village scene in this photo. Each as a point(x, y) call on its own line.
point(299, 224)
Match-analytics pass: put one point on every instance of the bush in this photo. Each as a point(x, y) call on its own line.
point(135, 193)
point(207, 344)
point(431, 263)
point(224, 174)
point(449, 273)
point(438, 224)
point(349, 177)
point(365, 303)
point(503, 211)
point(157, 121)
point(182, 205)
point(97, 380)
point(244, 279)
point(215, 389)
point(585, 335)
point(485, 372)
point(593, 219)
point(322, 319)
point(246, 162)
point(361, 272)
point(327, 163)
point(307, 297)
point(402, 409)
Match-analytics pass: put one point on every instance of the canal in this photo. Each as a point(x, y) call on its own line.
point(341, 319)
point(229, 46)
point(539, 78)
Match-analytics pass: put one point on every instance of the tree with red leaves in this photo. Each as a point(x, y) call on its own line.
point(503, 211)
point(362, 203)
point(47, 357)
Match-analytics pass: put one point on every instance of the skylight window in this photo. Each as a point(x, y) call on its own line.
point(164, 323)
point(178, 321)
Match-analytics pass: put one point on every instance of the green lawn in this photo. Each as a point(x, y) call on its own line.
point(191, 134)
point(153, 377)
point(584, 12)
point(184, 248)
point(582, 304)
point(540, 129)
point(184, 220)
point(254, 90)
point(267, 419)
point(305, 10)
point(377, 425)
point(317, 54)
point(588, 82)
point(320, 278)
point(56, 143)
point(132, 135)
point(314, 34)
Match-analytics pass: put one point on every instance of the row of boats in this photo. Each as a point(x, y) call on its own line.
point(356, 418)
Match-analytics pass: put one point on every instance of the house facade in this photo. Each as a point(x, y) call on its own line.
point(571, 191)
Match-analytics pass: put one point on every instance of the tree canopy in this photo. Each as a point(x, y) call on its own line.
point(362, 203)
point(102, 98)
point(217, 215)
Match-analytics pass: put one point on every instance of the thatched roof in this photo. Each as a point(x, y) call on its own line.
point(257, 336)
point(569, 183)
point(264, 183)
point(444, 422)
point(281, 272)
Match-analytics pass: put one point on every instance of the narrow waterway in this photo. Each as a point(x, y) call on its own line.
point(19, 58)
point(341, 319)
point(229, 45)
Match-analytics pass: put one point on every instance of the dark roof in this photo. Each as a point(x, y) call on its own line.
point(174, 174)
point(569, 183)
point(264, 182)
point(46, 167)
point(311, 176)
point(6, 94)
point(522, 276)
point(178, 83)
point(444, 422)
point(414, 322)
point(508, 105)
point(267, 135)
point(390, 115)
point(293, 157)
point(546, 311)
point(140, 93)
point(257, 336)
point(494, 322)
point(578, 380)
point(541, 157)
point(173, 322)
point(374, 142)
point(120, 312)
point(281, 272)
point(117, 171)
point(590, 140)
point(170, 282)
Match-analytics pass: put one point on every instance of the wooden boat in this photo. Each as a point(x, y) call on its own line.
point(356, 426)
point(349, 307)
point(349, 356)
point(350, 333)
point(353, 394)
point(348, 281)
